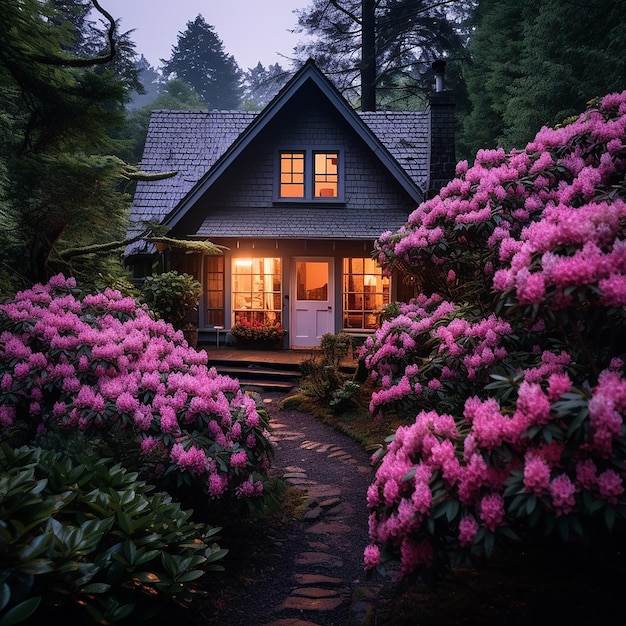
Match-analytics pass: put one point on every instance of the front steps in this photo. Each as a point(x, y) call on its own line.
point(260, 375)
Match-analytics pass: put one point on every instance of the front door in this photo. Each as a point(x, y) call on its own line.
point(312, 296)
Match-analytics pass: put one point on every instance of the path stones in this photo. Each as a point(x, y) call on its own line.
point(312, 604)
point(317, 579)
point(320, 593)
point(291, 622)
point(329, 528)
point(332, 451)
point(319, 558)
point(318, 492)
point(330, 503)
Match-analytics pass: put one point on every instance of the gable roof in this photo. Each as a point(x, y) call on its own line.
point(201, 145)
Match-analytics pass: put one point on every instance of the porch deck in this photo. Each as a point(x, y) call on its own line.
point(264, 369)
point(270, 357)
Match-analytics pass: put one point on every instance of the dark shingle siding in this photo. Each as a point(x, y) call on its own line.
point(191, 142)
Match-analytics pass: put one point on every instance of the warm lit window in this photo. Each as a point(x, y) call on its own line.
point(365, 292)
point(312, 280)
point(214, 290)
point(257, 290)
point(326, 174)
point(292, 174)
point(309, 174)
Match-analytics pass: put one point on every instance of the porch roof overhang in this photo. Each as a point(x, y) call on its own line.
point(290, 223)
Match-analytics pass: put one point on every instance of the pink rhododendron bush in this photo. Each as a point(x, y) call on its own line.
point(102, 366)
point(509, 367)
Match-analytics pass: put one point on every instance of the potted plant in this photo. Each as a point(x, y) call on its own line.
point(174, 297)
point(258, 335)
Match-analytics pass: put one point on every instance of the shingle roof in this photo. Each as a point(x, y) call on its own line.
point(315, 223)
point(188, 142)
point(197, 145)
point(407, 136)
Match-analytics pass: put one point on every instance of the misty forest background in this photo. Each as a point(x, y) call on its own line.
point(76, 97)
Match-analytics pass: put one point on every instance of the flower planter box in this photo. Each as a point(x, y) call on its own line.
point(255, 336)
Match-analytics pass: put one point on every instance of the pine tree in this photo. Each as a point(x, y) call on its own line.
point(57, 108)
point(380, 51)
point(151, 85)
point(261, 84)
point(199, 60)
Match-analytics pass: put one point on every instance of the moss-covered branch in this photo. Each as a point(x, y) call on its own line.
point(205, 247)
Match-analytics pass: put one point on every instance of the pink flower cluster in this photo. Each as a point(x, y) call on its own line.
point(402, 495)
point(106, 364)
point(553, 222)
point(535, 400)
point(395, 355)
point(437, 459)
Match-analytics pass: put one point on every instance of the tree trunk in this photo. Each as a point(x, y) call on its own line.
point(368, 56)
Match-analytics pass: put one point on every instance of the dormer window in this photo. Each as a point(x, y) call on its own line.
point(292, 174)
point(310, 175)
point(326, 174)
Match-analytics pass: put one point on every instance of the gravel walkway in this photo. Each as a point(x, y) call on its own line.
point(316, 575)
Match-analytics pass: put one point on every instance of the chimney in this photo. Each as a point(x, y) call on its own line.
point(439, 67)
point(440, 107)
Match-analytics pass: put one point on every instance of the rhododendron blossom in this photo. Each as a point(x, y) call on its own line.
point(102, 363)
point(519, 340)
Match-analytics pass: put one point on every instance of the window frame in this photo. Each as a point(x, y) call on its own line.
point(214, 290)
point(359, 302)
point(252, 312)
point(309, 174)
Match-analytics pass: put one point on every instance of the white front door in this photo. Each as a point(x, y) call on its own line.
point(312, 298)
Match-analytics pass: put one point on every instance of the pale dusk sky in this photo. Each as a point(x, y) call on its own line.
point(251, 30)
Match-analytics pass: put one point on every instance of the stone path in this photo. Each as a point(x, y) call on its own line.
point(319, 578)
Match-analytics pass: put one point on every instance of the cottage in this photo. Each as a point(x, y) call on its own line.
point(296, 195)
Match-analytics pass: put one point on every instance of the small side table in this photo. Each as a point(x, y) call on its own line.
point(217, 335)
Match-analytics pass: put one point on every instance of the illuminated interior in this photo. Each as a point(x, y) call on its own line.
point(326, 174)
point(257, 290)
point(365, 292)
point(306, 175)
point(292, 175)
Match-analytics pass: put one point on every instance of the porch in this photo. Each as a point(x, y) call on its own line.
point(277, 370)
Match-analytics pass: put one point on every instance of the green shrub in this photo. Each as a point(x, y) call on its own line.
point(172, 296)
point(85, 539)
point(322, 376)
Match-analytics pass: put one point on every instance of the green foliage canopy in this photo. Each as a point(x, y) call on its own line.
point(60, 100)
point(407, 37)
point(537, 62)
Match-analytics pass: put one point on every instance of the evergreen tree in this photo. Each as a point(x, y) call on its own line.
point(261, 84)
point(151, 85)
point(380, 51)
point(56, 109)
point(536, 62)
point(199, 60)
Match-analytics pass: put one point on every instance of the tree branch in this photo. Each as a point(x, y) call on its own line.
point(76, 61)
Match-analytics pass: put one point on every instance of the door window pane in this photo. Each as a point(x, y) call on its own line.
point(312, 277)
